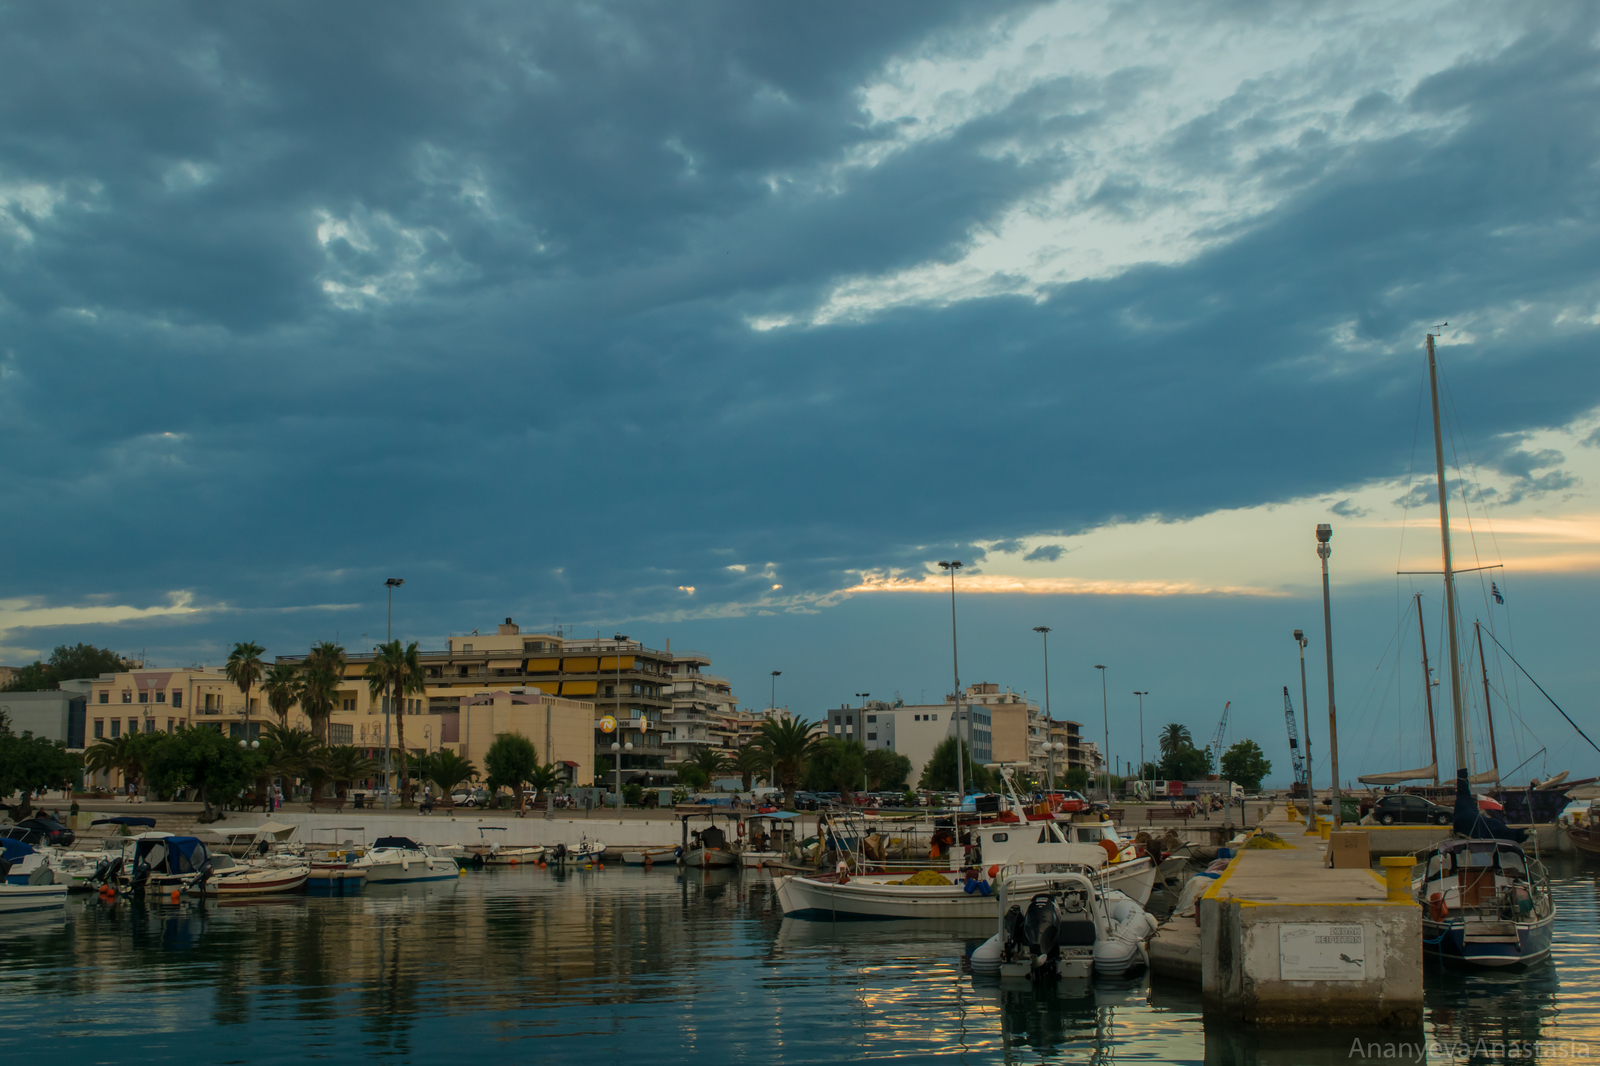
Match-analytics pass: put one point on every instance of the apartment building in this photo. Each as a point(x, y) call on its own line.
point(705, 714)
point(912, 730)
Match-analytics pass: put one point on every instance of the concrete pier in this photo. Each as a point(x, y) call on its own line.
point(1284, 940)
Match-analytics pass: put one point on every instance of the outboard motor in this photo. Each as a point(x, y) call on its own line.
point(102, 872)
point(5, 870)
point(199, 883)
point(1041, 925)
point(141, 875)
point(559, 853)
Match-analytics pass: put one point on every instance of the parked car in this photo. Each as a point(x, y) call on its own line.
point(43, 829)
point(469, 797)
point(807, 801)
point(1410, 809)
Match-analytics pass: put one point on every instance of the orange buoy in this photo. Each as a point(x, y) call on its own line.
point(174, 895)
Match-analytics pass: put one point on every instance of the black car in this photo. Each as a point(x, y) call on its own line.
point(43, 829)
point(1408, 808)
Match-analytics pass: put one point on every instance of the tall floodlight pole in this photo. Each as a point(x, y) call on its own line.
point(1305, 711)
point(774, 703)
point(393, 583)
point(1141, 696)
point(1105, 708)
point(1324, 549)
point(955, 667)
point(1049, 722)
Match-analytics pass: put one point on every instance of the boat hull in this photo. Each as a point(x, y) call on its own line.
point(258, 883)
point(706, 857)
point(872, 899)
point(1497, 944)
point(1584, 838)
point(16, 899)
point(410, 871)
point(752, 860)
point(651, 857)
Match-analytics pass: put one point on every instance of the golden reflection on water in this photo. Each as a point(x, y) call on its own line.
point(660, 965)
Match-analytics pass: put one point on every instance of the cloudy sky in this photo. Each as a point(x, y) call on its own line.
point(724, 322)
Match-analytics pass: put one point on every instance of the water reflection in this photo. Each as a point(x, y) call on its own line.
point(668, 964)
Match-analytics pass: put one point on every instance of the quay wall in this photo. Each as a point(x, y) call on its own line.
point(443, 828)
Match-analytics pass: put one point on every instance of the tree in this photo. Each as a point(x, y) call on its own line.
point(836, 766)
point(244, 669)
point(346, 765)
point(688, 774)
point(289, 753)
point(324, 671)
point(29, 764)
point(510, 761)
point(204, 760)
point(940, 771)
point(1175, 738)
point(543, 779)
point(449, 771)
point(788, 744)
point(65, 664)
point(711, 763)
point(886, 769)
point(283, 686)
point(749, 762)
point(126, 755)
point(1246, 764)
point(1187, 764)
point(397, 670)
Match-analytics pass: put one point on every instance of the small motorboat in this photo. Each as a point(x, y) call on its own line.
point(21, 860)
point(766, 839)
point(401, 860)
point(502, 855)
point(37, 892)
point(586, 851)
point(222, 878)
point(1062, 925)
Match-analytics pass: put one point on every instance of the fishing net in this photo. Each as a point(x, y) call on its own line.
point(923, 877)
point(1267, 841)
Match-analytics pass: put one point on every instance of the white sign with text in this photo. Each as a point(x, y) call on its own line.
point(1322, 952)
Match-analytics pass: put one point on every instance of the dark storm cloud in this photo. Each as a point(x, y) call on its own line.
point(294, 301)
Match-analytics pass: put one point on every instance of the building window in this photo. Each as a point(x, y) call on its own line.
point(177, 701)
point(838, 719)
point(149, 725)
point(872, 736)
point(99, 728)
point(349, 705)
point(133, 725)
point(466, 647)
point(849, 719)
point(116, 728)
point(144, 697)
point(341, 734)
point(462, 672)
point(871, 718)
point(933, 718)
point(161, 697)
point(127, 697)
point(172, 724)
point(105, 696)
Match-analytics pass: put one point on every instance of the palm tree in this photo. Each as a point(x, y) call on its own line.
point(1175, 738)
point(543, 779)
point(346, 764)
point(284, 687)
point(289, 753)
point(449, 771)
point(245, 669)
point(711, 762)
point(398, 671)
point(324, 670)
point(788, 744)
point(122, 754)
point(749, 762)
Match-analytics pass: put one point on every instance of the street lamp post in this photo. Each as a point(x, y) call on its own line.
point(862, 733)
point(1305, 710)
point(955, 668)
point(618, 749)
point(1324, 549)
point(1142, 763)
point(774, 703)
point(617, 661)
point(1049, 722)
point(392, 584)
point(1105, 709)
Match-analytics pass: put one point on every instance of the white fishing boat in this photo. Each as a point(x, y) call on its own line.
point(766, 839)
point(503, 855)
point(585, 852)
point(223, 878)
point(651, 857)
point(15, 899)
point(709, 846)
point(401, 860)
point(1063, 925)
point(1484, 903)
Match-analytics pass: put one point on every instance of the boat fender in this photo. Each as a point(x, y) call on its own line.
point(994, 871)
point(844, 872)
point(1112, 850)
point(1437, 909)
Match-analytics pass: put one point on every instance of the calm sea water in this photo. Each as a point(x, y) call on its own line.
point(665, 966)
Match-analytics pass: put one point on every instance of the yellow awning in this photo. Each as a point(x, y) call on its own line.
point(577, 688)
point(544, 666)
point(609, 663)
point(587, 665)
point(505, 664)
point(355, 669)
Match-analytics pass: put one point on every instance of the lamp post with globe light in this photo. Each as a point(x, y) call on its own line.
point(618, 749)
point(1324, 549)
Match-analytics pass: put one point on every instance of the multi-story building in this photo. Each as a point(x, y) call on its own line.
point(913, 730)
point(1069, 734)
point(704, 711)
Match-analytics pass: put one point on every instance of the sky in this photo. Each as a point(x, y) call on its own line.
point(726, 323)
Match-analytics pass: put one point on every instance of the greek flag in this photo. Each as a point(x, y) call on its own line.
point(1495, 591)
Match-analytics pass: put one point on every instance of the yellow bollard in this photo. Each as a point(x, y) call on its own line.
point(1397, 875)
point(1325, 827)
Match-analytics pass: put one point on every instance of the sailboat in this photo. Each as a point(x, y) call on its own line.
point(1483, 902)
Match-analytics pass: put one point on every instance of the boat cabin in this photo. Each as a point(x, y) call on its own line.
point(1480, 879)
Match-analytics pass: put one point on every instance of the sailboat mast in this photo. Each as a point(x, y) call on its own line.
point(1427, 690)
point(1494, 750)
point(1449, 569)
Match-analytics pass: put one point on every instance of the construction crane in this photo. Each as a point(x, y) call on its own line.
point(1295, 755)
point(1216, 740)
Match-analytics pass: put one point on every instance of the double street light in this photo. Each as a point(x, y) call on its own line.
point(1049, 722)
point(1141, 696)
point(1105, 709)
point(955, 667)
point(392, 584)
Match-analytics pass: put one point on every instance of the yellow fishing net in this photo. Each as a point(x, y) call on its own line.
point(922, 877)
point(1267, 841)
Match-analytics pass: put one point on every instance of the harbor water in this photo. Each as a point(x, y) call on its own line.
point(668, 966)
